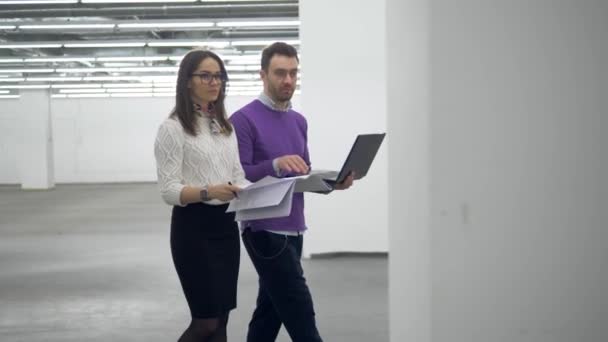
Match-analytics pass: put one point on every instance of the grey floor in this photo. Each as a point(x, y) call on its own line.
point(92, 263)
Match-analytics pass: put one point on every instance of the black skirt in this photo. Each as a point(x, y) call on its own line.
point(206, 252)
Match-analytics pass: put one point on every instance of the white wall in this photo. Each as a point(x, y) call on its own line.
point(10, 131)
point(94, 139)
point(408, 101)
point(343, 94)
point(519, 230)
point(106, 140)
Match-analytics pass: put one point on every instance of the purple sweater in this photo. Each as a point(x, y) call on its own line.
point(264, 134)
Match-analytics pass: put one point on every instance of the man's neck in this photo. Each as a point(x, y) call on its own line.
point(279, 105)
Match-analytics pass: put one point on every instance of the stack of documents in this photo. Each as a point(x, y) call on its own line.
point(271, 197)
point(266, 198)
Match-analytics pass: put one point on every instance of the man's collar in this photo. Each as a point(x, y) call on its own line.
point(270, 103)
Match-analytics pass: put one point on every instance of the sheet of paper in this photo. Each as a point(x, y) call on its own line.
point(280, 210)
point(266, 192)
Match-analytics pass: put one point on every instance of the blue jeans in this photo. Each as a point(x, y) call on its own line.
point(283, 296)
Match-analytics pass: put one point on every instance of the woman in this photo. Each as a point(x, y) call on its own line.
point(198, 173)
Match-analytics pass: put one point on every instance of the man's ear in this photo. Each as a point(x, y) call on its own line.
point(262, 74)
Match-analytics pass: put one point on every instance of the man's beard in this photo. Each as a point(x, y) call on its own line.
point(280, 97)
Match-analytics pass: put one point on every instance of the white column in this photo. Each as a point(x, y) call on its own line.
point(408, 108)
point(36, 148)
point(519, 228)
point(365, 68)
point(344, 94)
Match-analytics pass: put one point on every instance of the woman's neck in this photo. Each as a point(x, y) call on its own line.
point(201, 105)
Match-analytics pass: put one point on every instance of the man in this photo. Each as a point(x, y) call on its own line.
point(272, 140)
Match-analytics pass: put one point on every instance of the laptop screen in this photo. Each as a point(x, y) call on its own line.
point(361, 156)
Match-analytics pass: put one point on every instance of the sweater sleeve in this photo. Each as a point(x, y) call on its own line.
point(254, 170)
point(169, 154)
point(306, 156)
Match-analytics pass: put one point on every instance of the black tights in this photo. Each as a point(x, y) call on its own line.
point(206, 330)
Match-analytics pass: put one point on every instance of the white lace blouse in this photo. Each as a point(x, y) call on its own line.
point(209, 158)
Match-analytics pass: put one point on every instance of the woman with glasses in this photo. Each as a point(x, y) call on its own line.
point(198, 174)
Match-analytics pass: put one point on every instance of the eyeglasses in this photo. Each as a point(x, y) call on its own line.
point(207, 77)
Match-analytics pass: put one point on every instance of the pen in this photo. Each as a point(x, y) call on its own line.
point(236, 195)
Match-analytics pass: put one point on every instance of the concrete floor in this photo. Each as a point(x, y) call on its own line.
point(92, 263)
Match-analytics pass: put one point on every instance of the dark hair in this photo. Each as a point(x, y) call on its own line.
point(184, 108)
point(278, 48)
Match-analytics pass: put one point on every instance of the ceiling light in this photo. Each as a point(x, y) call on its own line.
point(149, 69)
point(59, 59)
point(233, 89)
point(64, 26)
point(53, 79)
point(82, 91)
point(111, 78)
point(165, 25)
point(86, 70)
point(243, 76)
point(242, 68)
point(76, 85)
point(258, 23)
point(11, 60)
point(20, 86)
point(131, 58)
point(189, 43)
point(120, 64)
point(165, 84)
point(87, 95)
point(245, 62)
point(12, 79)
point(30, 46)
point(130, 1)
point(231, 0)
point(128, 90)
point(9, 96)
point(246, 83)
point(7, 27)
point(26, 70)
point(132, 95)
point(248, 93)
point(109, 44)
point(158, 78)
point(127, 85)
point(262, 42)
point(36, 2)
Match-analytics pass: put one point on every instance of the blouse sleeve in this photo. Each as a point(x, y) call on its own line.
point(169, 154)
point(238, 174)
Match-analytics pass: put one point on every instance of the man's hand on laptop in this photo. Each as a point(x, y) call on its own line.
point(347, 183)
point(292, 164)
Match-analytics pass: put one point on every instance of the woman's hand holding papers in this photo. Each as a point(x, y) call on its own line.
point(223, 192)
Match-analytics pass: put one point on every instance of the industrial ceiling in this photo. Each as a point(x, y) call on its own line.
point(122, 48)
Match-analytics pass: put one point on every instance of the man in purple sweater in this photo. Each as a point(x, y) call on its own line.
point(272, 141)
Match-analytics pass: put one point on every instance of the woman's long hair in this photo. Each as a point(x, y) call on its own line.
point(184, 107)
